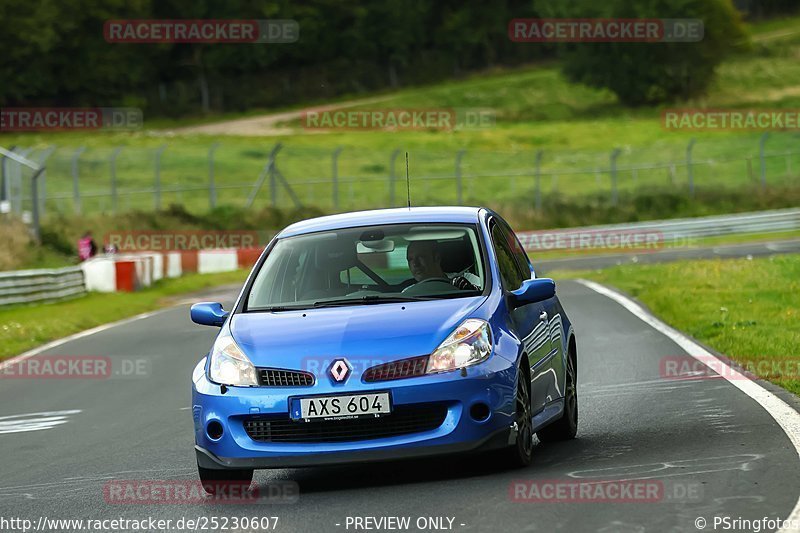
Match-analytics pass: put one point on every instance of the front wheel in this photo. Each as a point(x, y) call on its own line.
point(520, 454)
point(220, 482)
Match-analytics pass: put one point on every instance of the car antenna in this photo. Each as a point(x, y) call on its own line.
point(408, 184)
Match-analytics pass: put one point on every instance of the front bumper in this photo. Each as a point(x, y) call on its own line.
point(490, 383)
point(207, 459)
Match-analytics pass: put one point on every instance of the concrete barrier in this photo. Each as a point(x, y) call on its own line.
point(189, 261)
point(209, 261)
point(125, 275)
point(158, 265)
point(247, 257)
point(173, 265)
point(100, 274)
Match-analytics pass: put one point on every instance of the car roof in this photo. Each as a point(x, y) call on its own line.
point(469, 215)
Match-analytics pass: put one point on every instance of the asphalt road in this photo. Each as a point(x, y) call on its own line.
point(722, 251)
point(715, 451)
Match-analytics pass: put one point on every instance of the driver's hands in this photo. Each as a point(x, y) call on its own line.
point(463, 283)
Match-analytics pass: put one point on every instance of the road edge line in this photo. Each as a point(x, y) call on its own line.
point(783, 413)
point(79, 335)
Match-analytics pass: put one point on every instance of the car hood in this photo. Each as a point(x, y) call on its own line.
point(370, 334)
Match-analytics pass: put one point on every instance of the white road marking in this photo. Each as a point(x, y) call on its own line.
point(34, 421)
point(86, 333)
point(683, 467)
point(784, 414)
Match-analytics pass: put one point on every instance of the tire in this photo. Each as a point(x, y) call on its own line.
point(217, 482)
point(520, 454)
point(566, 427)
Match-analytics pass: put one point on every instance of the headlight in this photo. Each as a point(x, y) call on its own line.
point(469, 344)
point(230, 366)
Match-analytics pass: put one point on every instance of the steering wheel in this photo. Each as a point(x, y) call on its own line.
point(428, 280)
point(443, 280)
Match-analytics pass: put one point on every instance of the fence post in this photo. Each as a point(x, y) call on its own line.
point(276, 174)
point(459, 187)
point(157, 185)
point(761, 156)
point(335, 175)
point(76, 193)
point(689, 169)
point(614, 193)
point(268, 168)
point(4, 186)
point(113, 165)
point(538, 174)
point(273, 182)
point(37, 230)
point(392, 176)
point(212, 191)
point(42, 186)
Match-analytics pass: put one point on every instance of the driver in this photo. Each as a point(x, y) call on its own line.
point(425, 262)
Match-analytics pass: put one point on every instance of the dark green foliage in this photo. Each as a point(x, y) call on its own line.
point(650, 73)
point(53, 52)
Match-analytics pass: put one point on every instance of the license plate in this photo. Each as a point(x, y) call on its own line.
point(341, 407)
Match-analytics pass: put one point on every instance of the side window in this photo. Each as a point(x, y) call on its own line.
point(519, 252)
point(281, 284)
point(510, 273)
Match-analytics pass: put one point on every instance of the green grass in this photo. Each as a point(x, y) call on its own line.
point(747, 309)
point(24, 328)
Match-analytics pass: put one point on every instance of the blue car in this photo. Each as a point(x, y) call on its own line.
point(384, 334)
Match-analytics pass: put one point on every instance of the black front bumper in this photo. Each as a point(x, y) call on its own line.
point(497, 440)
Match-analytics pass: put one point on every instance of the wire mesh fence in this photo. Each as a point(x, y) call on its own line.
point(112, 179)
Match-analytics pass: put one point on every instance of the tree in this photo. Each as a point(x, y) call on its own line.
point(644, 73)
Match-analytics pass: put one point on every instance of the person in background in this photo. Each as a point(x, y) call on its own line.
point(86, 246)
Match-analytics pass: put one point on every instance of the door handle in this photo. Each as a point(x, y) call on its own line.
point(543, 316)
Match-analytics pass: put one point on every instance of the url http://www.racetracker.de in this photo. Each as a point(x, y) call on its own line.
point(200, 523)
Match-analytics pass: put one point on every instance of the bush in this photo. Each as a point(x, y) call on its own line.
point(650, 73)
point(16, 243)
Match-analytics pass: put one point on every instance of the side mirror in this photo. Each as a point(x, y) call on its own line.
point(533, 290)
point(208, 314)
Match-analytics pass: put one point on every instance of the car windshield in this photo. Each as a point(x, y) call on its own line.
point(375, 264)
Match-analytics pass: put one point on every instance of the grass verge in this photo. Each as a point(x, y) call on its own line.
point(24, 328)
point(746, 309)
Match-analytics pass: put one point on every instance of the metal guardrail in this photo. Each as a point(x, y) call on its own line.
point(687, 228)
point(27, 286)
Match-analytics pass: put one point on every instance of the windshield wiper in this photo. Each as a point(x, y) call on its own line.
point(277, 308)
point(371, 299)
